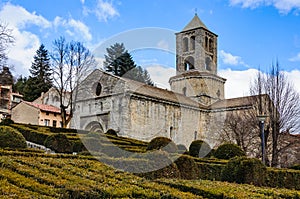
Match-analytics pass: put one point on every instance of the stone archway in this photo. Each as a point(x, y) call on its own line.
point(95, 127)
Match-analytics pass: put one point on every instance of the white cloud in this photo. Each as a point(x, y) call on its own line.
point(163, 44)
point(160, 75)
point(82, 1)
point(17, 16)
point(104, 10)
point(238, 82)
point(230, 59)
point(295, 58)
point(293, 76)
point(284, 6)
point(81, 28)
point(26, 43)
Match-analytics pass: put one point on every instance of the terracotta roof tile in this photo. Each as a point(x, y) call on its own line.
point(44, 107)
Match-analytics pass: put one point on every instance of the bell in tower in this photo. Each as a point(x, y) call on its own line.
point(196, 64)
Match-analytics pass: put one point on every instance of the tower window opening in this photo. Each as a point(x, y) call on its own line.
point(211, 49)
point(206, 43)
point(208, 63)
point(185, 44)
point(189, 63)
point(192, 42)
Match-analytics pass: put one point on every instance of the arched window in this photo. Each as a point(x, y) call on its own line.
point(185, 44)
point(206, 43)
point(208, 63)
point(171, 133)
point(211, 46)
point(189, 63)
point(98, 89)
point(184, 91)
point(192, 42)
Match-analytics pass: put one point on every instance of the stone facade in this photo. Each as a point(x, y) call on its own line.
point(195, 107)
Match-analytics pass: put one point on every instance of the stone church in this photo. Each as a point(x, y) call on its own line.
point(194, 108)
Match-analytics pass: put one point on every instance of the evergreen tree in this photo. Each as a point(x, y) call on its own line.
point(113, 58)
point(40, 67)
point(20, 84)
point(40, 79)
point(118, 61)
point(6, 77)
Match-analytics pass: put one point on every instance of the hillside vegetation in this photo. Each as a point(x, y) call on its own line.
point(27, 173)
point(31, 174)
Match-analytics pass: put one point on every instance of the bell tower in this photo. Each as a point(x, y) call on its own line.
point(196, 64)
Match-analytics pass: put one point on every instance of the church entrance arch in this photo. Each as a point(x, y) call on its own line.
point(94, 127)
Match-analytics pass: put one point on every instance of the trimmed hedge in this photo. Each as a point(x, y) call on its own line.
point(283, 178)
point(30, 134)
point(11, 138)
point(59, 143)
point(245, 170)
point(188, 167)
point(162, 143)
point(228, 151)
point(199, 148)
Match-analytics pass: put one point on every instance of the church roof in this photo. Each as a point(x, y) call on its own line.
point(197, 73)
point(238, 102)
point(163, 94)
point(194, 23)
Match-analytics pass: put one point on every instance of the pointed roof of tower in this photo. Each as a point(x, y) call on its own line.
point(194, 23)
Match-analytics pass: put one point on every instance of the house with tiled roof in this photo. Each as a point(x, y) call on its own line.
point(37, 114)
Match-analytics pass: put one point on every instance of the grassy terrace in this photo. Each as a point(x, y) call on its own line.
point(37, 175)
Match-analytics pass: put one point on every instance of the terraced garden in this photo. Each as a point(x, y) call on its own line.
point(27, 173)
point(37, 175)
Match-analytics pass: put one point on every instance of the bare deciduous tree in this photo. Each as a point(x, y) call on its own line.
point(241, 128)
point(6, 39)
point(283, 108)
point(72, 62)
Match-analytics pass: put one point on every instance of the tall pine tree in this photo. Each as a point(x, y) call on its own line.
point(40, 79)
point(118, 61)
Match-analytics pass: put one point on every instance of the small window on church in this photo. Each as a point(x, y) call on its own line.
point(98, 89)
point(184, 91)
point(185, 44)
point(192, 43)
point(171, 133)
point(189, 63)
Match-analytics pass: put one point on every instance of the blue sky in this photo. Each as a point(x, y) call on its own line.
point(252, 33)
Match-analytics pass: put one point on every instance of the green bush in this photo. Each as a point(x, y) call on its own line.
point(111, 132)
point(187, 167)
point(283, 178)
point(199, 148)
point(162, 143)
point(78, 146)
point(295, 167)
point(59, 143)
point(6, 121)
point(245, 170)
point(11, 138)
point(31, 134)
point(228, 151)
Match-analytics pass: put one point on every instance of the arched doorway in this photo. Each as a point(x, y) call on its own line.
point(94, 127)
